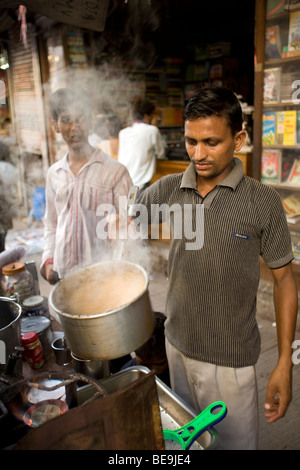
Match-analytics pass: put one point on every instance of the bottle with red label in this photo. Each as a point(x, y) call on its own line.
point(33, 350)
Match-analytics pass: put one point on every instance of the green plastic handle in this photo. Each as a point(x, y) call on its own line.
point(187, 434)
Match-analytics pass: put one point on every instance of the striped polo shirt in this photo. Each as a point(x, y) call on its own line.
point(211, 301)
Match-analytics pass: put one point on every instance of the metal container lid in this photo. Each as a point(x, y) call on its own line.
point(13, 268)
point(38, 324)
point(33, 301)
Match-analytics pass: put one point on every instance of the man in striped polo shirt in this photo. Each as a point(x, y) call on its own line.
point(212, 336)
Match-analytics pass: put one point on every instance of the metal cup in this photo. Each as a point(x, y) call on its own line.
point(61, 351)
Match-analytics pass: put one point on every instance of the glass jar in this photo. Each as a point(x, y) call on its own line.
point(17, 280)
point(36, 305)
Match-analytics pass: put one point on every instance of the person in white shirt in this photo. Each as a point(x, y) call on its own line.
point(76, 186)
point(110, 141)
point(97, 131)
point(141, 144)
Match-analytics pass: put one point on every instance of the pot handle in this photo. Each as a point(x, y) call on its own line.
point(15, 298)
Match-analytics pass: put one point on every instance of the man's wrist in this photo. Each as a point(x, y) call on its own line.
point(48, 261)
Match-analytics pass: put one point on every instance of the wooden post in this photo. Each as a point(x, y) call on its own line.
point(260, 26)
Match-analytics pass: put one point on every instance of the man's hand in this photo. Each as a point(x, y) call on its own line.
point(120, 227)
point(50, 274)
point(279, 393)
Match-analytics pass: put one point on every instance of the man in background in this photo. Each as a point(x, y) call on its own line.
point(141, 144)
point(76, 185)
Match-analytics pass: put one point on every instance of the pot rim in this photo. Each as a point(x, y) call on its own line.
point(7, 299)
point(101, 314)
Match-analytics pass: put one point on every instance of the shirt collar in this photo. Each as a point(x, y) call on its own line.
point(97, 156)
point(231, 180)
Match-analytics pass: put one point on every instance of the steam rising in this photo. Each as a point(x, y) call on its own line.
point(99, 288)
point(111, 90)
point(114, 94)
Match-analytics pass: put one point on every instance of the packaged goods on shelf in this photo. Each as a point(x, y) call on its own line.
point(298, 127)
point(289, 127)
point(289, 75)
point(279, 127)
point(280, 156)
point(172, 117)
point(189, 90)
point(77, 54)
point(294, 34)
point(197, 72)
point(273, 42)
point(196, 53)
point(219, 49)
point(291, 204)
point(294, 176)
point(271, 166)
point(287, 132)
point(269, 128)
point(293, 220)
point(173, 65)
point(271, 92)
point(274, 7)
point(287, 158)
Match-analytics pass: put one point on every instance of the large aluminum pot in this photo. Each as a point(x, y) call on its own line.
point(10, 330)
point(82, 301)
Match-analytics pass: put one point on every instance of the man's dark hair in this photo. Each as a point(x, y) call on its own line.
point(142, 106)
point(69, 98)
point(218, 101)
point(114, 125)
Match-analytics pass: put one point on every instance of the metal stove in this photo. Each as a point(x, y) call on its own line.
point(15, 407)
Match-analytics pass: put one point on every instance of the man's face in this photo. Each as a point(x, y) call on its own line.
point(74, 128)
point(210, 146)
